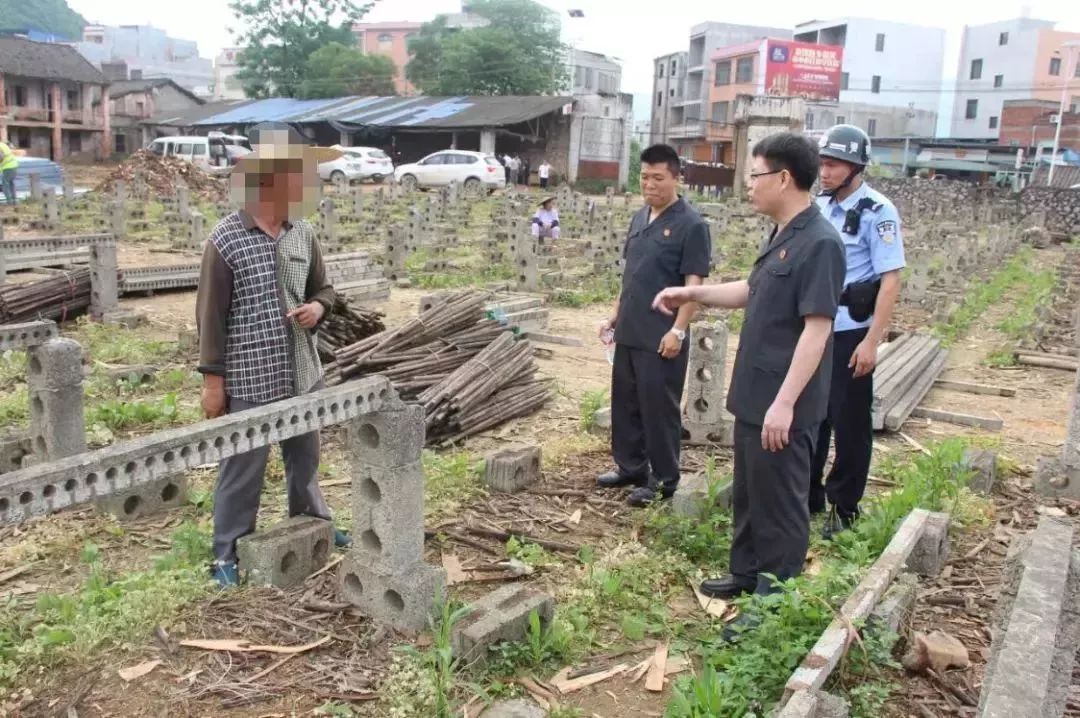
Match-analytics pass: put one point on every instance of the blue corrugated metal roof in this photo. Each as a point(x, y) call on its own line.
point(413, 112)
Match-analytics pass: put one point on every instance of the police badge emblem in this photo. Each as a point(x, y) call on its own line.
point(887, 231)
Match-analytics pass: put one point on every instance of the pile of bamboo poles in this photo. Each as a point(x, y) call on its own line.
point(467, 371)
point(59, 297)
point(347, 325)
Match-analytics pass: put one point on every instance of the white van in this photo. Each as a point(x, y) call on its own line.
point(205, 152)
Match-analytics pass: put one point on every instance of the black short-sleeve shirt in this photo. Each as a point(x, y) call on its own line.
point(799, 273)
point(658, 255)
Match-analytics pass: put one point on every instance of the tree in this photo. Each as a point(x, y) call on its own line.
point(335, 70)
point(633, 178)
point(46, 15)
point(517, 53)
point(280, 36)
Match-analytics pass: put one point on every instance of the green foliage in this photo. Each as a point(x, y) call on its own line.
point(595, 290)
point(12, 367)
point(529, 553)
point(592, 402)
point(121, 414)
point(335, 70)
point(517, 53)
point(1001, 358)
point(46, 15)
point(567, 712)
point(15, 407)
point(750, 675)
point(279, 36)
point(633, 179)
point(1017, 272)
point(1034, 291)
point(336, 710)
point(452, 480)
point(705, 542)
point(545, 649)
point(107, 612)
point(423, 684)
point(109, 345)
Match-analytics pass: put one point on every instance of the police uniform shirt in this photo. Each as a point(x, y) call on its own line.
point(799, 273)
point(658, 255)
point(876, 249)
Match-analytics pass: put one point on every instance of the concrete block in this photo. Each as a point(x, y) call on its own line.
point(691, 498)
point(932, 549)
point(983, 467)
point(146, 499)
point(602, 420)
point(55, 377)
point(13, 447)
point(286, 553)
point(502, 615)
point(388, 513)
point(1036, 627)
point(136, 374)
point(388, 438)
point(1053, 479)
point(404, 597)
point(512, 470)
point(516, 708)
point(893, 612)
point(705, 385)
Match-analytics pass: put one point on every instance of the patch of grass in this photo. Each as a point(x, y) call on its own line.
point(106, 612)
point(116, 345)
point(12, 367)
point(1034, 291)
point(15, 407)
point(1016, 272)
point(1001, 358)
point(424, 684)
point(748, 677)
point(544, 650)
point(592, 402)
point(120, 414)
point(451, 480)
point(529, 553)
point(595, 290)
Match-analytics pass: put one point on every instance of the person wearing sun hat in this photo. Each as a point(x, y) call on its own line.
point(545, 223)
point(263, 293)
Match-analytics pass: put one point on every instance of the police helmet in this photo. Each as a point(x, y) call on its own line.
point(846, 143)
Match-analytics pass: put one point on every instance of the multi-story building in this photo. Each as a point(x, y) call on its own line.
point(669, 90)
point(226, 86)
point(51, 101)
point(1020, 59)
point(594, 74)
point(392, 40)
point(891, 80)
point(1031, 123)
point(687, 119)
point(148, 53)
point(131, 102)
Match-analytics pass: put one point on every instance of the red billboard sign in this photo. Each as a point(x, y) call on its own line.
point(803, 69)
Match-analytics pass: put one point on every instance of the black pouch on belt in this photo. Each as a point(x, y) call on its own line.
point(860, 299)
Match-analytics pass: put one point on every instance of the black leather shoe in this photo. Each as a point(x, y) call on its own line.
point(726, 587)
point(615, 480)
point(643, 495)
point(836, 523)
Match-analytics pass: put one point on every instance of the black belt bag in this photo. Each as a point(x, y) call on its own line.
point(860, 299)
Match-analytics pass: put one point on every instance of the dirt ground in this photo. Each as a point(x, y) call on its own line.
point(350, 666)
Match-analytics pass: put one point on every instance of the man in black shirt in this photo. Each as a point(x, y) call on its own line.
point(780, 383)
point(668, 245)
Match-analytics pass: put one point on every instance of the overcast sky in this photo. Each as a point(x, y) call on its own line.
point(633, 31)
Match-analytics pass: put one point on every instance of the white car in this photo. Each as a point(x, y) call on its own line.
point(358, 163)
point(475, 171)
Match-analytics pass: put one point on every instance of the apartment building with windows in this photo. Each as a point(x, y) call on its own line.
point(1019, 59)
point(392, 40)
point(669, 89)
point(891, 82)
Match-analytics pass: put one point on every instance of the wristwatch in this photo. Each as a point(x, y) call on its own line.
point(679, 333)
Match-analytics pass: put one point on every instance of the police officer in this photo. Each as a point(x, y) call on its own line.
point(780, 383)
point(870, 228)
point(668, 245)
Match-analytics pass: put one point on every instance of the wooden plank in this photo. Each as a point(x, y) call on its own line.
point(1048, 362)
point(830, 647)
point(953, 417)
point(886, 349)
point(884, 404)
point(896, 370)
point(909, 373)
point(893, 361)
point(565, 686)
point(900, 411)
point(973, 388)
point(542, 338)
point(655, 680)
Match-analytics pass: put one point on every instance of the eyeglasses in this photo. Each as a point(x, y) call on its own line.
point(755, 175)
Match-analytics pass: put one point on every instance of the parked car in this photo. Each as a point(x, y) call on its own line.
point(358, 163)
point(217, 150)
point(475, 171)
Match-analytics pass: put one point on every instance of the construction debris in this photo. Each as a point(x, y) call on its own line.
point(906, 371)
point(467, 370)
point(162, 174)
point(60, 297)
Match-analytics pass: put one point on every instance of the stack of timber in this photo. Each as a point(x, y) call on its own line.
point(469, 373)
point(347, 325)
point(60, 297)
point(906, 371)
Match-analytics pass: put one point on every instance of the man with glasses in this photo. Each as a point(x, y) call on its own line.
point(780, 383)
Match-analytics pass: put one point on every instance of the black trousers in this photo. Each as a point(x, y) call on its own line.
point(646, 419)
point(772, 519)
point(850, 407)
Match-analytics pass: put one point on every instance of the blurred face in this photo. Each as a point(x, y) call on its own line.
point(766, 185)
point(282, 187)
point(658, 185)
point(833, 173)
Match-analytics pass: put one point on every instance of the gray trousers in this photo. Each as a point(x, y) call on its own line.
point(240, 483)
point(769, 506)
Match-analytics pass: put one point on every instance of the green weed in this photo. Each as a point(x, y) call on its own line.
point(529, 553)
point(119, 415)
point(106, 612)
point(1001, 358)
point(596, 290)
point(544, 649)
point(423, 684)
point(592, 402)
point(452, 480)
point(12, 367)
point(111, 345)
point(15, 407)
point(1035, 290)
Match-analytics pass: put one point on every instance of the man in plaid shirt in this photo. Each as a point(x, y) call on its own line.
point(262, 295)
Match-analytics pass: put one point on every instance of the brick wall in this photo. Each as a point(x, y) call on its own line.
point(1018, 122)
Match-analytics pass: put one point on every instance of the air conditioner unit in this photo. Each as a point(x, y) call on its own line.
point(1054, 119)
